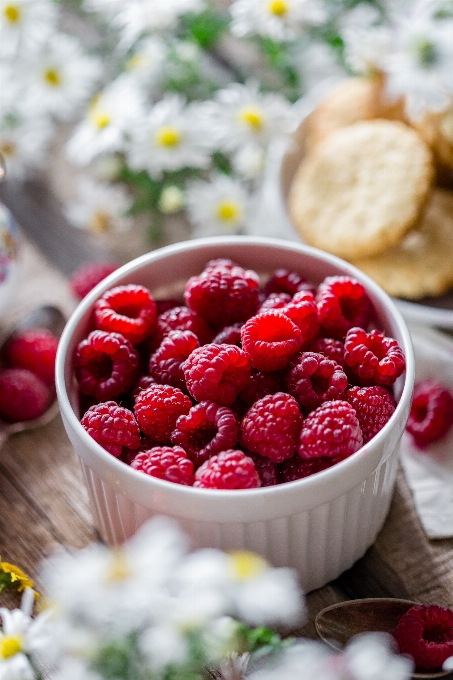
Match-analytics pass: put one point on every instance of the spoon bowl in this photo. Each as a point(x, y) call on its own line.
point(337, 624)
point(52, 319)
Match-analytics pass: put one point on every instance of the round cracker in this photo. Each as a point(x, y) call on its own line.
point(421, 265)
point(437, 130)
point(362, 189)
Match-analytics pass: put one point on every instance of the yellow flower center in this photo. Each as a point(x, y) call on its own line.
point(100, 119)
point(100, 222)
point(252, 116)
point(247, 565)
point(52, 77)
point(168, 136)
point(119, 568)
point(137, 61)
point(14, 572)
point(10, 645)
point(228, 211)
point(278, 7)
point(12, 14)
point(8, 149)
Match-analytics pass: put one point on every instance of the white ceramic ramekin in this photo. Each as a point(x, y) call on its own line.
point(319, 525)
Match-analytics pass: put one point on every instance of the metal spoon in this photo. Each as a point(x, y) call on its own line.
point(49, 317)
point(340, 622)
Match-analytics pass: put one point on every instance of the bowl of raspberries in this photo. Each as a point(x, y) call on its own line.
point(253, 389)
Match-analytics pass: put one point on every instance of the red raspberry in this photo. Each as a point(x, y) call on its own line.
point(86, 277)
point(331, 430)
point(142, 383)
point(274, 301)
point(23, 395)
point(267, 470)
point(230, 335)
point(35, 349)
point(112, 426)
point(158, 408)
point(425, 633)
point(165, 365)
point(298, 468)
point(260, 385)
point(105, 365)
point(342, 304)
point(313, 379)
point(230, 469)
point(129, 310)
point(206, 430)
point(285, 281)
point(373, 405)
point(331, 348)
point(431, 415)
point(165, 462)
point(302, 311)
point(224, 262)
point(270, 340)
point(165, 305)
point(223, 295)
point(217, 373)
point(183, 319)
point(271, 427)
point(372, 357)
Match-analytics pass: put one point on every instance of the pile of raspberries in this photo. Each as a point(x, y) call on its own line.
point(240, 385)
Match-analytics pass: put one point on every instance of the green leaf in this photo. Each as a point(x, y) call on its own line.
point(205, 28)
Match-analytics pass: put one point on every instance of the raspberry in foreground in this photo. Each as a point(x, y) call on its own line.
point(261, 384)
point(112, 426)
point(268, 472)
point(372, 357)
point(431, 414)
point(331, 348)
point(35, 349)
point(217, 373)
point(165, 462)
point(158, 408)
point(285, 281)
point(330, 431)
point(425, 633)
point(313, 379)
point(86, 277)
point(165, 364)
point(271, 427)
point(342, 304)
point(129, 310)
point(23, 395)
point(183, 319)
point(373, 405)
point(270, 340)
point(297, 468)
point(230, 469)
point(302, 311)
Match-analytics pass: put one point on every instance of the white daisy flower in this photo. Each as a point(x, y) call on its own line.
point(171, 200)
point(277, 19)
point(248, 161)
point(110, 115)
point(318, 65)
point(169, 138)
point(75, 669)
point(61, 78)
point(145, 63)
point(163, 645)
point(366, 47)
point(241, 115)
point(109, 8)
point(371, 656)
point(25, 25)
point(99, 207)
point(217, 207)
point(24, 143)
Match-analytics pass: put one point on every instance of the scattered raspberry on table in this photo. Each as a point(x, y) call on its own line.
point(431, 414)
point(425, 633)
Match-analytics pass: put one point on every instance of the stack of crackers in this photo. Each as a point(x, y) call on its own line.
point(368, 189)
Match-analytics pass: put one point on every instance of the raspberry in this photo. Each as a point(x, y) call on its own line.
point(431, 414)
point(165, 365)
point(373, 406)
point(270, 340)
point(223, 295)
point(313, 379)
point(342, 304)
point(129, 310)
point(217, 373)
point(425, 633)
point(112, 426)
point(298, 468)
point(165, 462)
point(86, 277)
point(224, 262)
point(274, 301)
point(229, 335)
point(230, 469)
point(372, 357)
point(260, 385)
point(302, 311)
point(285, 281)
point(266, 469)
point(35, 349)
point(23, 395)
point(183, 319)
point(271, 427)
point(165, 305)
point(158, 408)
point(105, 365)
point(331, 430)
point(206, 430)
point(331, 348)
point(142, 383)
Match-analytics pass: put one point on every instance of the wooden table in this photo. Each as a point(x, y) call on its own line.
point(44, 505)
